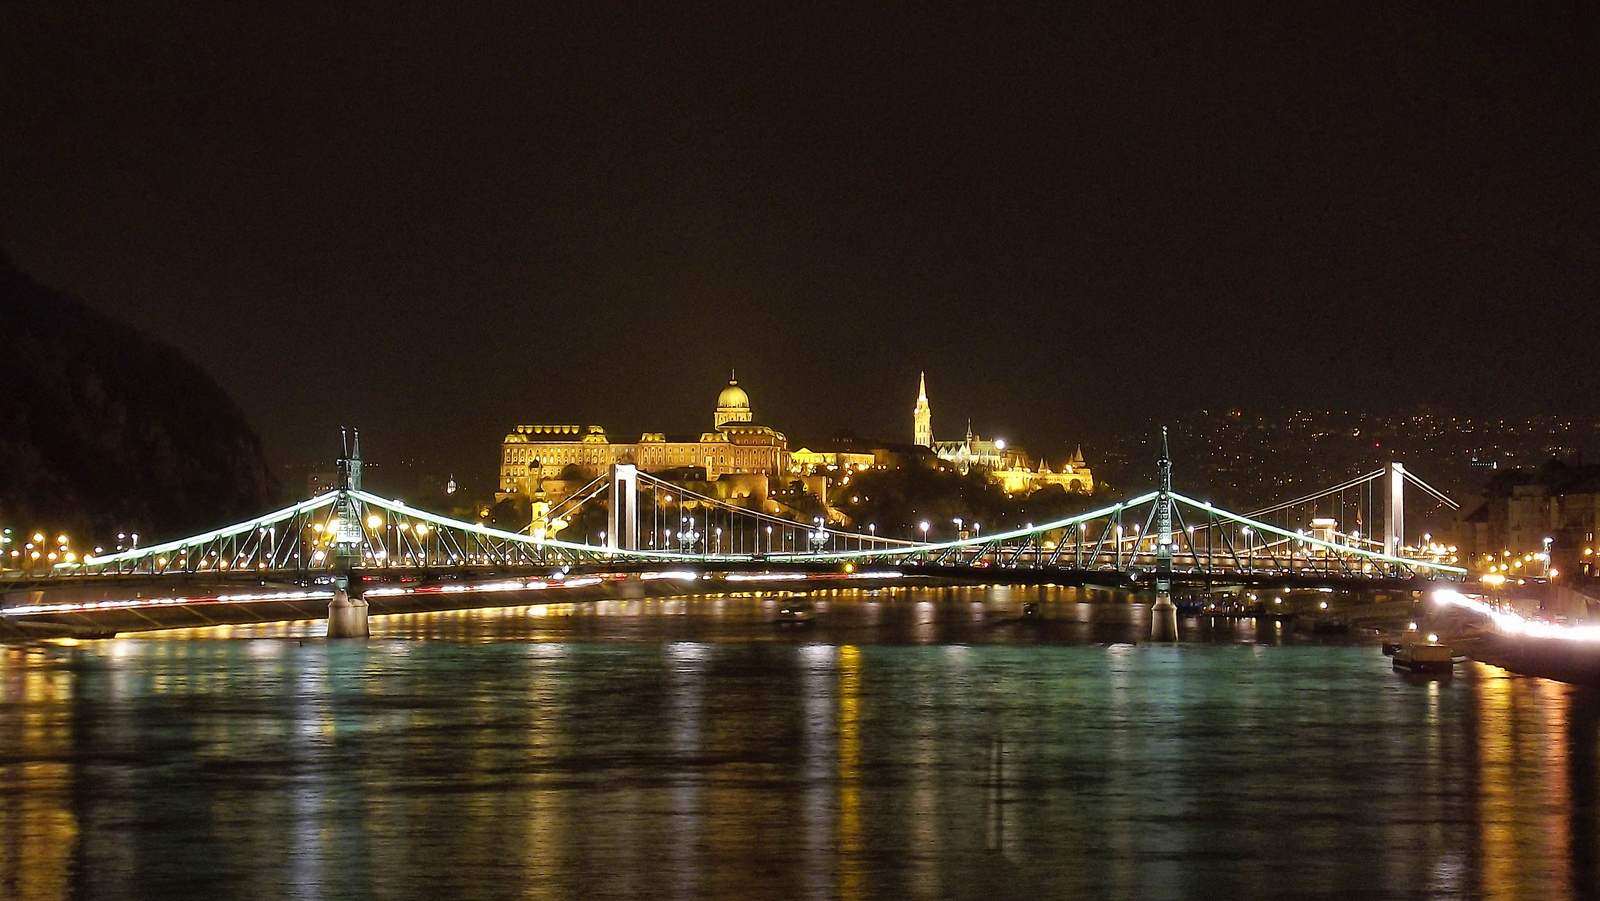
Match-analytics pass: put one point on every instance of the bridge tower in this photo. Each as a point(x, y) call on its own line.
point(1395, 521)
point(347, 611)
point(1163, 614)
point(1164, 515)
point(622, 520)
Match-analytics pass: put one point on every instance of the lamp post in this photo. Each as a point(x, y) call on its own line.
point(819, 536)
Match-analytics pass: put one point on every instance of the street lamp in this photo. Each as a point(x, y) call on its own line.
point(924, 527)
point(819, 536)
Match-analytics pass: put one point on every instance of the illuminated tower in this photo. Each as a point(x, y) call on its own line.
point(922, 431)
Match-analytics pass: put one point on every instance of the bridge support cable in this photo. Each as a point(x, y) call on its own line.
point(749, 528)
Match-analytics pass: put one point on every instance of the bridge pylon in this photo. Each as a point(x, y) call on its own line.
point(1395, 520)
point(347, 610)
point(1163, 613)
point(622, 519)
point(1164, 516)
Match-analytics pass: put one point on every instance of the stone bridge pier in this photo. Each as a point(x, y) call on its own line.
point(347, 612)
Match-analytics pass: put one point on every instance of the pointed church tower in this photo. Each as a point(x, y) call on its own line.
point(922, 416)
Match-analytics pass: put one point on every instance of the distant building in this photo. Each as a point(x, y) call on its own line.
point(1523, 507)
point(736, 446)
point(1009, 463)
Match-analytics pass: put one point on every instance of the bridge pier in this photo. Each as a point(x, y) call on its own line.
point(1163, 618)
point(347, 613)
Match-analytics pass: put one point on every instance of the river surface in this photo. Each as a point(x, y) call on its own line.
point(906, 744)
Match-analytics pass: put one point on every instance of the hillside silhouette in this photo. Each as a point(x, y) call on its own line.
point(103, 429)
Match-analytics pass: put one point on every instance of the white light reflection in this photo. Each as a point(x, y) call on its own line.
point(686, 673)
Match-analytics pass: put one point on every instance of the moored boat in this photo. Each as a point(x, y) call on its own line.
point(1418, 655)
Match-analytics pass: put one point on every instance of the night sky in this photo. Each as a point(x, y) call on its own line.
point(437, 220)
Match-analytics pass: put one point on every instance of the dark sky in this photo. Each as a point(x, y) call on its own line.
point(436, 220)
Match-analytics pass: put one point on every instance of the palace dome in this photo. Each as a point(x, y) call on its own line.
point(733, 397)
point(733, 405)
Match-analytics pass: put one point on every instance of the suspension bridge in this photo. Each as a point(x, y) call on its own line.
point(348, 548)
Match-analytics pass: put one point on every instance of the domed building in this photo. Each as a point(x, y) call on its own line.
point(733, 405)
point(735, 446)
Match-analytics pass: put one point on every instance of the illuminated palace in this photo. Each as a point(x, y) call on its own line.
point(1009, 464)
point(736, 451)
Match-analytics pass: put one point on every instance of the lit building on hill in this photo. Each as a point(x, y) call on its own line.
point(735, 446)
point(1008, 463)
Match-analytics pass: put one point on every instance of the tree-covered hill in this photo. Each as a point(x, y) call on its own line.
point(103, 429)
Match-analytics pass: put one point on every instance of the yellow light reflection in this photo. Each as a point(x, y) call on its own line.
point(1495, 801)
point(850, 863)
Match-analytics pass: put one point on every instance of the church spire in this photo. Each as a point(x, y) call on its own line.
point(922, 416)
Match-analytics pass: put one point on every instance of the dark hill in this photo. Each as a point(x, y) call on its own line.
point(104, 429)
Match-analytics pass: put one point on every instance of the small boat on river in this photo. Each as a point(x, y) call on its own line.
point(1418, 654)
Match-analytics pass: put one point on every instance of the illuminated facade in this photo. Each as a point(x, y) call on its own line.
point(736, 445)
point(806, 460)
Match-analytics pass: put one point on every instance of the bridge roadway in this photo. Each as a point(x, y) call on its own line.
point(105, 605)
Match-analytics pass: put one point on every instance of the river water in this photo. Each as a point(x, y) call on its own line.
point(906, 744)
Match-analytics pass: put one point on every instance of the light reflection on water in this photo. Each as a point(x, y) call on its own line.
point(930, 745)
